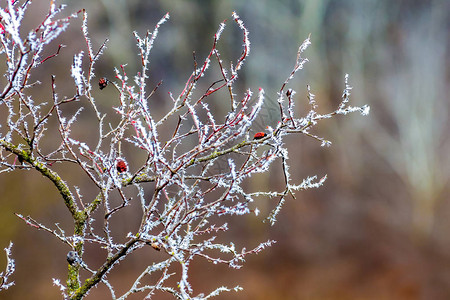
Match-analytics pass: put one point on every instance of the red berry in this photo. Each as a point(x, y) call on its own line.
point(121, 166)
point(259, 135)
point(102, 83)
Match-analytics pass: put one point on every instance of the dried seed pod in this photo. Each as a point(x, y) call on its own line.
point(121, 166)
point(73, 258)
point(259, 135)
point(102, 83)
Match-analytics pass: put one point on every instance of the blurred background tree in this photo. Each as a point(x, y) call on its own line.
point(379, 229)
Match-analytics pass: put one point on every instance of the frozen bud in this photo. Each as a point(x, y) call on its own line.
point(121, 166)
point(73, 258)
point(289, 92)
point(156, 246)
point(259, 135)
point(102, 83)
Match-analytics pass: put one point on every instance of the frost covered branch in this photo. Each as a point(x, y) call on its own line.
point(10, 268)
point(192, 174)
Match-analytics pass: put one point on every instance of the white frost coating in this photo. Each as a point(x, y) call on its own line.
point(365, 110)
point(301, 61)
point(257, 107)
point(11, 19)
point(77, 72)
point(10, 268)
point(84, 28)
point(345, 94)
point(246, 40)
point(61, 287)
point(220, 30)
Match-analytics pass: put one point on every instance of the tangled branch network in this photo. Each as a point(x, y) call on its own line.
point(180, 191)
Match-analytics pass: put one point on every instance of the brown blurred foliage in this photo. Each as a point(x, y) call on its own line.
point(379, 229)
